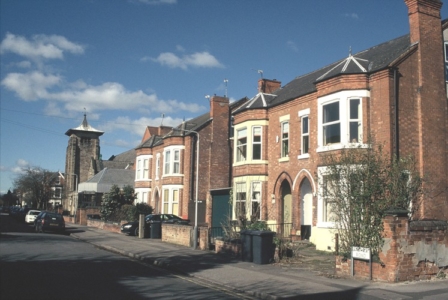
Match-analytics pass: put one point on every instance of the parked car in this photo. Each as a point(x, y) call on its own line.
point(31, 216)
point(49, 221)
point(20, 216)
point(131, 228)
point(14, 211)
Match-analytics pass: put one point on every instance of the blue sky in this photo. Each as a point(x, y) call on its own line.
point(127, 62)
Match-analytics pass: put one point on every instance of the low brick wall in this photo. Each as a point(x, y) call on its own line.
point(416, 250)
point(232, 247)
point(112, 227)
point(177, 234)
point(81, 216)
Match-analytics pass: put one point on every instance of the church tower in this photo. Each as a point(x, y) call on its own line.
point(82, 151)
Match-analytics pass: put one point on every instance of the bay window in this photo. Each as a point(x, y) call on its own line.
point(256, 143)
point(142, 170)
point(171, 200)
point(240, 200)
point(171, 163)
point(340, 120)
point(331, 124)
point(241, 146)
point(255, 201)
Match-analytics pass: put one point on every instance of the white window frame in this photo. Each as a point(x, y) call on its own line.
point(257, 143)
point(141, 193)
point(157, 166)
point(170, 205)
point(256, 194)
point(284, 152)
point(240, 189)
point(321, 202)
point(357, 120)
point(241, 145)
point(166, 162)
point(304, 115)
point(54, 189)
point(343, 98)
point(176, 161)
point(142, 172)
point(171, 163)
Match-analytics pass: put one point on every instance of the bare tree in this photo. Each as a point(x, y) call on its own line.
point(35, 183)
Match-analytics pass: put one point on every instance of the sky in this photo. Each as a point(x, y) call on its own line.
point(128, 64)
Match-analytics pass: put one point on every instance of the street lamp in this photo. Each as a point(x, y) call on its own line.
point(195, 231)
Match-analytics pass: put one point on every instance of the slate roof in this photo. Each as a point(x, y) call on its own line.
point(368, 61)
point(194, 124)
point(106, 178)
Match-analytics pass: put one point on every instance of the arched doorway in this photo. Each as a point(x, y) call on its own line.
point(156, 202)
point(287, 208)
point(306, 209)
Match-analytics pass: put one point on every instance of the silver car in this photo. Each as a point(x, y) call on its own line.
point(31, 216)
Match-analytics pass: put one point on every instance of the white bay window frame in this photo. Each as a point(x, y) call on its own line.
point(172, 160)
point(142, 172)
point(171, 199)
point(341, 114)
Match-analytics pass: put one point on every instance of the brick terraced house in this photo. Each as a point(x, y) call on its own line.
point(394, 92)
point(166, 163)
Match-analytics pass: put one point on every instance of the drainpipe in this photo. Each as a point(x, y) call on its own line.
point(397, 145)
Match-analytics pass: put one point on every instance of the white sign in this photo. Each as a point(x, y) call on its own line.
point(361, 253)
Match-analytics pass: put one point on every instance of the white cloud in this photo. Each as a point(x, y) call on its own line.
point(198, 60)
point(39, 46)
point(138, 126)
point(75, 96)
point(19, 166)
point(30, 86)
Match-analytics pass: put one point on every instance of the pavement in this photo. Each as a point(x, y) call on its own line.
point(270, 281)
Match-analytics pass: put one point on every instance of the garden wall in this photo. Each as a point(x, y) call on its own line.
point(412, 250)
point(183, 235)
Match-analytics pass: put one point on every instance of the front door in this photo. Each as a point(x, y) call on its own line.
point(287, 209)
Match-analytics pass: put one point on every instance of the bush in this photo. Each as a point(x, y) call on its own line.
point(132, 212)
point(258, 225)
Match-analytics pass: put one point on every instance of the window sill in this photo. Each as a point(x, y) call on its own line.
point(172, 175)
point(329, 225)
point(283, 159)
point(143, 180)
point(303, 156)
point(342, 146)
point(250, 162)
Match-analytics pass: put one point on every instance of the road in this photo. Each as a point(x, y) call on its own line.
point(56, 266)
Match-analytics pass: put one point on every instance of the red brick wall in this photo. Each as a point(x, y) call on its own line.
point(415, 250)
point(177, 234)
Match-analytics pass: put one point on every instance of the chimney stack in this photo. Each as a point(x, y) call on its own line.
point(268, 86)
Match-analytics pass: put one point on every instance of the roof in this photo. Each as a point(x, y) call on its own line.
point(187, 127)
point(368, 61)
point(120, 161)
point(84, 126)
point(106, 178)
